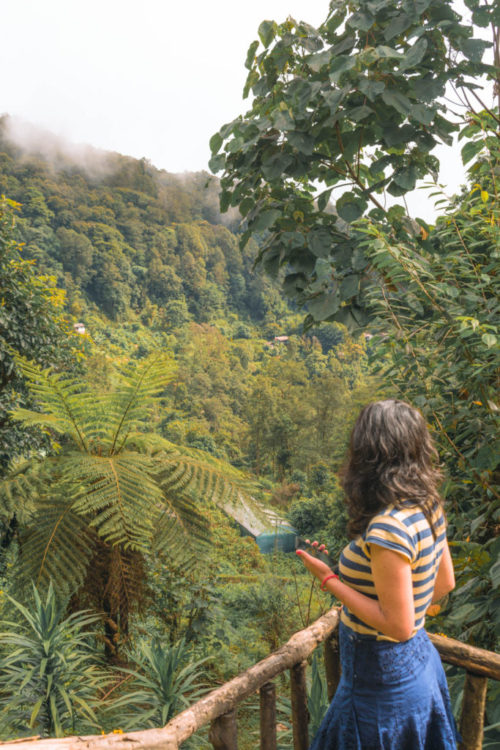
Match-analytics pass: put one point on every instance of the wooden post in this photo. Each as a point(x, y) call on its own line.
point(224, 732)
point(300, 713)
point(332, 663)
point(268, 739)
point(472, 716)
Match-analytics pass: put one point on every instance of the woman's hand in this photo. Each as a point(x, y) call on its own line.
point(313, 565)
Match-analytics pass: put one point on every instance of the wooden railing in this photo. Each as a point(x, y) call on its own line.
point(218, 708)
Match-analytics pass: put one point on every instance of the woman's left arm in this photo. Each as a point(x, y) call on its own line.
point(394, 612)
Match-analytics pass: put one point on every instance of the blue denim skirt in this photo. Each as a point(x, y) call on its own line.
point(391, 696)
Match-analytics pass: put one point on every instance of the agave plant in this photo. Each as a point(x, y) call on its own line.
point(113, 492)
point(163, 682)
point(49, 677)
point(317, 699)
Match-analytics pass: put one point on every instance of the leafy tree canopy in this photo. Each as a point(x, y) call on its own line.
point(356, 107)
point(33, 323)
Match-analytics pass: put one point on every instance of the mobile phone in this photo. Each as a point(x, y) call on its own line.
point(306, 545)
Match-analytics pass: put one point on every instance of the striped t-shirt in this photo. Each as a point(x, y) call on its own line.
point(407, 531)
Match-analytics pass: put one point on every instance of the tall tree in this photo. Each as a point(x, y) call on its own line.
point(355, 106)
point(32, 323)
point(112, 494)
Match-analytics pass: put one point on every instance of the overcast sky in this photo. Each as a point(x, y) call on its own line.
point(154, 78)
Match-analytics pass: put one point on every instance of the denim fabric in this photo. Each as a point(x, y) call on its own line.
point(391, 696)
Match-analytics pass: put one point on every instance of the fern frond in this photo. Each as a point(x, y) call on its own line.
point(190, 481)
point(23, 481)
point(116, 494)
point(181, 530)
point(57, 547)
point(130, 404)
point(201, 476)
point(149, 442)
point(65, 407)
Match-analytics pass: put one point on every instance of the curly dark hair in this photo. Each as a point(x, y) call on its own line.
point(391, 459)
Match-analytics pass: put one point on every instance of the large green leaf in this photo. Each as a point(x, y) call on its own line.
point(370, 87)
point(320, 242)
point(474, 48)
point(423, 114)
point(274, 166)
point(265, 220)
point(267, 32)
point(323, 306)
point(470, 150)
point(333, 98)
point(396, 99)
point(340, 65)
point(406, 177)
point(400, 23)
point(362, 20)
point(349, 287)
point(251, 54)
point(304, 142)
point(350, 207)
point(415, 55)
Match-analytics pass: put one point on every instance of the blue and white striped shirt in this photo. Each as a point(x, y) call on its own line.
point(406, 531)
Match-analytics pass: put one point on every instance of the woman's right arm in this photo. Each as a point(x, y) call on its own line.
point(445, 577)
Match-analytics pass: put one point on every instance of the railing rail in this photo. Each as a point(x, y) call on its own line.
point(219, 706)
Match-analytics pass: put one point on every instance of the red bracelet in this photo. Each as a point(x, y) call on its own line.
point(327, 578)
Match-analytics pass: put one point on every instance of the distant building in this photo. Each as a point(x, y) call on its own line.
point(79, 327)
point(270, 531)
point(278, 340)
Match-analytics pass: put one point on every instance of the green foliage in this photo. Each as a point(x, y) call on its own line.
point(317, 699)
point(115, 491)
point(183, 601)
point(356, 107)
point(163, 683)
point(50, 682)
point(322, 517)
point(298, 412)
point(437, 308)
point(122, 236)
point(32, 323)
point(270, 606)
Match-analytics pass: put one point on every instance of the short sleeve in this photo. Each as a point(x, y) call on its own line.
point(389, 532)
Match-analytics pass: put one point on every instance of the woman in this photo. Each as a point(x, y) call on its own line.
point(392, 694)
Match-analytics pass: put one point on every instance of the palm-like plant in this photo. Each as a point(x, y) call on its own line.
point(49, 680)
point(114, 491)
point(162, 681)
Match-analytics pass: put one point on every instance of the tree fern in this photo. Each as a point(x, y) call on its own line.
point(114, 491)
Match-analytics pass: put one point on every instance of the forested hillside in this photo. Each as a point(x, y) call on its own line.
point(193, 381)
point(145, 261)
point(125, 236)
